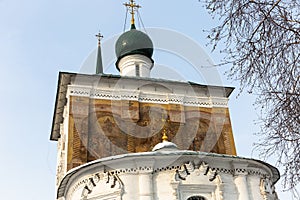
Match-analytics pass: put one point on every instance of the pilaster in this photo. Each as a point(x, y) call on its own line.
point(240, 180)
point(145, 178)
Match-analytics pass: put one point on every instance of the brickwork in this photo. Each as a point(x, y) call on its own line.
point(100, 128)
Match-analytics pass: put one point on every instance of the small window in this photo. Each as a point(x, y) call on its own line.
point(196, 198)
point(137, 70)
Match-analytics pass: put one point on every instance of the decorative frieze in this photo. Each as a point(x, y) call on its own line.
point(149, 175)
point(201, 179)
point(186, 170)
point(147, 97)
point(109, 183)
point(79, 91)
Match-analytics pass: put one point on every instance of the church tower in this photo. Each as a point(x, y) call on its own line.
point(130, 136)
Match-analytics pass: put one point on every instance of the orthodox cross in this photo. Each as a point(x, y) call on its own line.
point(99, 37)
point(99, 64)
point(133, 8)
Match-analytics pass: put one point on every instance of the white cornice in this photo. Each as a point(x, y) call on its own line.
point(147, 97)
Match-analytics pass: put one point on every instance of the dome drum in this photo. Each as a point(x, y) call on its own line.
point(135, 65)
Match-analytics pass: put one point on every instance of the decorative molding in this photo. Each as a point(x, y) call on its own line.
point(112, 180)
point(176, 99)
point(240, 168)
point(181, 174)
point(147, 97)
point(79, 91)
point(153, 98)
point(186, 169)
point(189, 179)
point(267, 189)
point(212, 189)
point(197, 101)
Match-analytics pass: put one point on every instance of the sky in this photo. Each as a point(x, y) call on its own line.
point(39, 38)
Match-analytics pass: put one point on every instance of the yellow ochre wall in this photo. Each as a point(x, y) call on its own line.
point(101, 128)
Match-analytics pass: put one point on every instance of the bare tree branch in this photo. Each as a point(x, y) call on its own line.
point(262, 44)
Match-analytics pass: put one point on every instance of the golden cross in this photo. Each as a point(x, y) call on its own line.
point(164, 132)
point(133, 7)
point(99, 36)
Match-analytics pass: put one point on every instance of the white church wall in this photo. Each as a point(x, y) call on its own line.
point(151, 176)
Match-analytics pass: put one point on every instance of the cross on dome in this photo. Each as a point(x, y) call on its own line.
point(133, 8)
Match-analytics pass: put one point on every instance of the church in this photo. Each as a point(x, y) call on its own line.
point(130, 136)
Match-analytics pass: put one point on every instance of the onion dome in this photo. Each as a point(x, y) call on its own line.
point(133, 42)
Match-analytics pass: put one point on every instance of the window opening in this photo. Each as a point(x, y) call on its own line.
point(137, 70)
point(196, 198)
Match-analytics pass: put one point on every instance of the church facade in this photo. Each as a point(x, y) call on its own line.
point(130, 136)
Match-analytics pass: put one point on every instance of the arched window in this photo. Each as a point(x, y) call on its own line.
point(196, 198)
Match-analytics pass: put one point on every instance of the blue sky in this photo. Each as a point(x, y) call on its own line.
point(38, 39)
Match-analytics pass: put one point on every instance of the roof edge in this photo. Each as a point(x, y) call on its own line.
point(54, 135)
